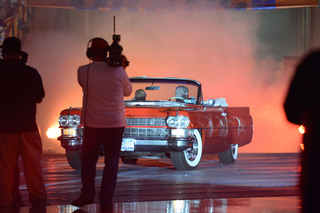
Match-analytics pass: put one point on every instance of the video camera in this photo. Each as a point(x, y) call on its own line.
point(23, 56)
point(115, 51)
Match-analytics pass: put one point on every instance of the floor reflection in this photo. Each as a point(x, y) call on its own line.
point(255, 183)
point(223, 205)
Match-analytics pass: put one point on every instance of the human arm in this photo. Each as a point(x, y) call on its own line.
point(127, 86)
point(37, 85)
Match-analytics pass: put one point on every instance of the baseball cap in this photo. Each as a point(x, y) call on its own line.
point(11, 45)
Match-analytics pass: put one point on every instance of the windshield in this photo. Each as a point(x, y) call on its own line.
point(163, 91)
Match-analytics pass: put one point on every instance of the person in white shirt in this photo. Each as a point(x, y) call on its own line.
point(104, 88)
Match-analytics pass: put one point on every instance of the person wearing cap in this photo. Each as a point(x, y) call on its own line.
point(21, 89)
point(104, 87)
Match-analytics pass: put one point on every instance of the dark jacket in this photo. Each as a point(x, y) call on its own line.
point(20, 90)
point(303, 98)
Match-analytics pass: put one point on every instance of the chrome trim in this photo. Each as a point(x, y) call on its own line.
point(74, 142)
point(151, 142)
point(146, 121)
point(154, 103)
point(146, 133)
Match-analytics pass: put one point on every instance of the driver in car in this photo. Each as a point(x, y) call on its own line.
point(140, 95)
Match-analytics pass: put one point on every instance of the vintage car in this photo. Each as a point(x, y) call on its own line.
point(168, 118)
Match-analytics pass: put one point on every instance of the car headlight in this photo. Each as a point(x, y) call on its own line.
point(178, 121)
point(63, 120)
point(69, 120)
point(74, 120)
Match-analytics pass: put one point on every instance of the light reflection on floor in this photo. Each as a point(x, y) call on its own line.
point(223, 205)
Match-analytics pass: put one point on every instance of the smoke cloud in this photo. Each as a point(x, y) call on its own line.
point(217, 48)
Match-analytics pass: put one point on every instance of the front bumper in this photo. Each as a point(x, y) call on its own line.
point(162, 146)
point(71, 143)
point(157, 140)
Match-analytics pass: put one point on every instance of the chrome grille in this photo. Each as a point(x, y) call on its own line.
point(146, 133)
point(146, 122)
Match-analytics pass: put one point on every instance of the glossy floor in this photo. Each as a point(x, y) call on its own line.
point(265, 183)
point(223, 205)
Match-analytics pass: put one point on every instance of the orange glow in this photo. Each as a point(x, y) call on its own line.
point(53, 132)
point(302, 129)
point(227, 67)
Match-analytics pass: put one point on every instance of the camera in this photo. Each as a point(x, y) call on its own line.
point(115, 53)
point(116, 58)
point(115, 38)
point(24, 57)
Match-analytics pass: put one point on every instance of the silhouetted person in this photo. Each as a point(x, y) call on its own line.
point(20, 90)
point(104, 88)
point(302, 106)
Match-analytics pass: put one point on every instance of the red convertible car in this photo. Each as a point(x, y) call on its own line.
point(168, 118)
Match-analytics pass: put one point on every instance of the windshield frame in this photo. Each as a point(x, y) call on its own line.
point(180, 81)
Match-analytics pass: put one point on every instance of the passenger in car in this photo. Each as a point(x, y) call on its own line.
point(140, 95)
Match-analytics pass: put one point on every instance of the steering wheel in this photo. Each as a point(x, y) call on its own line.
point(178, 99)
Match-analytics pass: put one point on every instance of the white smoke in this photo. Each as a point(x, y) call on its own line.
point(217, 48)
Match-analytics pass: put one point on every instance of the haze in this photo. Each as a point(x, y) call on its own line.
point(218, 48)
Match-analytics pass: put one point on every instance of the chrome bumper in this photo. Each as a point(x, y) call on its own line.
point(168, 145)
point(71, 143)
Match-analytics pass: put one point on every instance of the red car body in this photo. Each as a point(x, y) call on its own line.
point(164, 126)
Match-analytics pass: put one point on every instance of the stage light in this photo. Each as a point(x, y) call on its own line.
point(53, 132)
point(302, 129)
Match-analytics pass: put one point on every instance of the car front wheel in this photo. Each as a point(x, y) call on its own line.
point(74, 159)
point(190, 158)
point(230, 155)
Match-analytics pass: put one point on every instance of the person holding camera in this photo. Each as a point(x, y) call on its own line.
point(104, 87)
point(21, 90)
